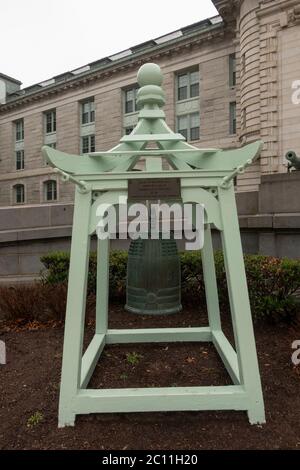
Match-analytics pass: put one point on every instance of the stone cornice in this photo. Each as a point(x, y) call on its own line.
point(270, 6)
point(214, 33)
point(228, 9)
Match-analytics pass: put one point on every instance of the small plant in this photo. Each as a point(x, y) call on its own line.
point(133, 358)
point(35, 419)
point(123, 376)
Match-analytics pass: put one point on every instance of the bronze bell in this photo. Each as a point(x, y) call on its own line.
point(153, 277)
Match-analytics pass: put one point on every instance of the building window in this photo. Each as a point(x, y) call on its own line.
point(187, 85)
point(232, 70)
point(243, 118)
point(130, 105)
point(232, 117)
point(50, 122)
point(20, 160)
point(243, 63)
point(19, 194)
point(88, 112)
point(128, 130)
point(88, 144)
point(189, 126)
point(50, 190)
point(19, 130)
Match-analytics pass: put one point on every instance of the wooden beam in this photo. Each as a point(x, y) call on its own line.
point(158, 335)
point(90, 358)
point(227, 354)
point(230, 397)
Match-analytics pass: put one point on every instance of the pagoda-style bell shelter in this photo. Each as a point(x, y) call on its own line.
point(204, 176)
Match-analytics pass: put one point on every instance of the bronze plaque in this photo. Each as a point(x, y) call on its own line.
point(153, 189)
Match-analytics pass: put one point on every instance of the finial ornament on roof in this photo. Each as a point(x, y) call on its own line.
point(150, 79)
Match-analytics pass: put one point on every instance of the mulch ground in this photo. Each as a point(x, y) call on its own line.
point(29, 387)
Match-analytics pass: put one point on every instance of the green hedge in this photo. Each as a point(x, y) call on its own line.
point(271, 281)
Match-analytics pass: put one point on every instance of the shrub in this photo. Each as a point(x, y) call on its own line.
point(57, 267)
point(38, 302)
point(22, 303)
point(271, 281)
point(55, 300)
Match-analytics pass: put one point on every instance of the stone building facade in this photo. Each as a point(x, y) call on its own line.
point(228, 80)
point(268, 73)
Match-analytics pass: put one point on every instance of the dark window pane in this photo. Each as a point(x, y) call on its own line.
point(85, 145)
point(87, 112)
point(232, 70)
point(195, 133)
point(19, 130)
point(51, 122)
point(194, 90)
point(182, 93)
point(129, 107)
point(183, 132)
point(232, 118)
point(51, 191)
point(92, 143)
point(49, 126)
point(234, 79)
point(128, 130)
point(20, 160)
point(85, 118)
point(19, 194)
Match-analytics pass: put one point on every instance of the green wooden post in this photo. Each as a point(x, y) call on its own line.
point(240, 305)
point(211, 289)
point(76, 301)
point(102, 285)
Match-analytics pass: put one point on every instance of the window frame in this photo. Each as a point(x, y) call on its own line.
point(134, 89)
point(91, 143)
point(189, 129)
point(188, 86)
point(232, 118)
point(16, 187)
point(90, 102)
point(53, 190)
point(20, 131)
point(21, 160)
point(232, 70)
point(52, 114)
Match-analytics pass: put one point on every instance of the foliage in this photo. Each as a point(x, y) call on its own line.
point(35, 419)
point(21, 302)
point(272, 283)
point(133, 358)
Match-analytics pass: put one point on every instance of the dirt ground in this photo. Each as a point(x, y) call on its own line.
point(29, 389)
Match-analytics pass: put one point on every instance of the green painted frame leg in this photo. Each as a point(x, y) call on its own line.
point(102, 294)
point(240, 307)
point(209, 274)
point(75, 313)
